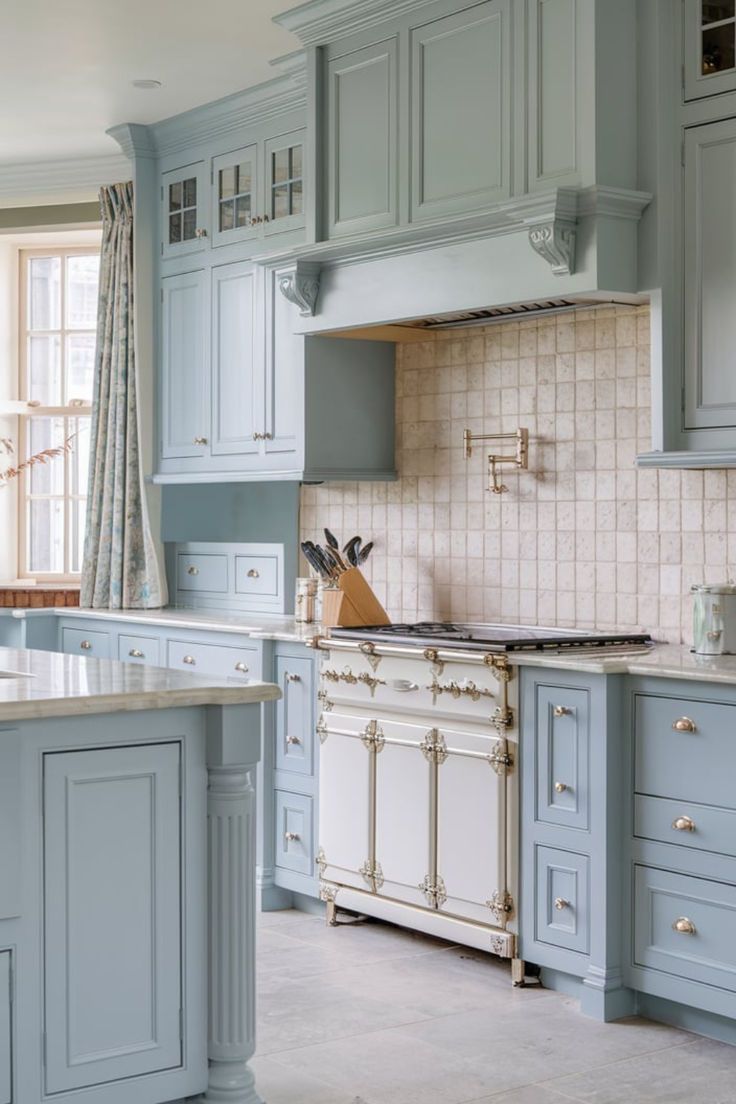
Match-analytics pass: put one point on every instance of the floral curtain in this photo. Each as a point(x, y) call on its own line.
point(121, 569)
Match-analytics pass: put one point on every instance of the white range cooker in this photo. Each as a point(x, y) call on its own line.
point(419, 813)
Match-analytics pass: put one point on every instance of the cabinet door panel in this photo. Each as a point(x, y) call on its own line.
point(710, 275)
point(345, 815)
point(709, 48)
point(112, 903)
point(561, 734)
point(235, 196)
point(362, 109)
point(294, 724)
point(285, 378)
point(184, 215)
point(553, 155)
point(236, 395)
point(6, 1063)
point(284, 182)
point(403, 827)
point(10, 822)
point(461, 96)
point(184, 366)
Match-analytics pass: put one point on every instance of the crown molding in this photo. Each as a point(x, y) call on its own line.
point(67, 181)
point(321, 21)
point(134, 139)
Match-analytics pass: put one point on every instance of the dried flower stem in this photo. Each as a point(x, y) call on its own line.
point(41, 457)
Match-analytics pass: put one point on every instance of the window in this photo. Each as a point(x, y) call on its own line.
point(58, 322)
point(286, 186)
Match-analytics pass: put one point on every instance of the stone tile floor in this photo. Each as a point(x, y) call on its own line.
point(372, 1014)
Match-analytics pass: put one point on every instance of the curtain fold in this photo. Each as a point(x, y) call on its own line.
point(121, 569)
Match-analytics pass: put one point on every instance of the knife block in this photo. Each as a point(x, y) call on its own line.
point(352, 604)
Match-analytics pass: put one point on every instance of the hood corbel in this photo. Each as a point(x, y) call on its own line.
point(552, 233)
point(300, 285)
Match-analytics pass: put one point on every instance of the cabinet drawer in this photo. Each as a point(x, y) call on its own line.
point(213, 659)
point(704, 827)
point(139, 649)
point(562, 904)
point(685, 926)
point(562, 736)
point(685, 749)
point(84, 642)
point(6, 1064)
point(294, 721)
point(201, 572)
point(256, 575)
point(294, 847)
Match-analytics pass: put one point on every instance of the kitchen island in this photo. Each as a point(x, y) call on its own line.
point(127, 881)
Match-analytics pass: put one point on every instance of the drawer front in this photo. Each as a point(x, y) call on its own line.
point(214, 659)
point(686, 749)
point(562, 899)
point(205, 572)
point(6, 1064)
point(686, 824)
point(685, 926)
point(294, 833)
point(562, 737)
point(139, 649)
point(257, 575)
point(84, 642)
point(294, 715)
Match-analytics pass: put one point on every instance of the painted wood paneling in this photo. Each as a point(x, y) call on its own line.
point(461, 110)
point(284, 378)
point(294, 832)
point(237, 398)
point(86, 643)
point(362, 119)
point(561, 735)
point(184, 365)
point(10, 816)
point(563, 906)
point(112, 914)
point(6, 1052)
point(294, 710)
point(552, 92)
point(710, 274)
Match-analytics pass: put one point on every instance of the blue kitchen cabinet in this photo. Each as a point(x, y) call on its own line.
point(6, 1036)
point(184, 377)
point(236, 383)
point(709, 54)
point(184, 210)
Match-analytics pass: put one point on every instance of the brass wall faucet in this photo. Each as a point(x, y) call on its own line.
point(520, 460)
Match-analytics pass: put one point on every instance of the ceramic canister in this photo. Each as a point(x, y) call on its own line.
point(714, 618)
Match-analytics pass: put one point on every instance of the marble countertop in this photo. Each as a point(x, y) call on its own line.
point(674, 661)
point(51, 684)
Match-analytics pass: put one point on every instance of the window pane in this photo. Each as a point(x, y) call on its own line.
point(190, 192)
point(80, 366)
point(296, 198)
point(45, 535)
point(280, 202)
point(44, 293)
point(175, 196)
point(77, 516)
point(174, 229)
point(44, 369)
point(245, 172)
point(296, 161)
point(715, 10)
point(82, 279)
point(242, 210)
point(190, 224)
point(280, 165)
point(718, 49)
point(226, 214)
point(45, 433)
point(79, 456)
point(227, 182)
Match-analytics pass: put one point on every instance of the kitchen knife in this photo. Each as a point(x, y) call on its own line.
point(310, 555)
point(351, 550)
point(365, 553)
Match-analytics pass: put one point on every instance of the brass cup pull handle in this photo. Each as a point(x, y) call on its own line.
point(253, 574)
point(289, 677)
point(242, 667)
point(560, 787)
point(561, 711)
point(192, 570)
point(684, 724)
point(136, 653)
point(561, 903)
point(290, 837)
point(85, 646)
point(293, 740)
point(683, 824)
point(200, 440)
point(190, 660)
point(684, 926)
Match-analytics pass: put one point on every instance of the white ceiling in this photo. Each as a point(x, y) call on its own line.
point(67, 66)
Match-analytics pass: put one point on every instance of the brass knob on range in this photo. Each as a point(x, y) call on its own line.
point(136, 653)
point(684, 926)
point(683, 824)
point(85, 645)
point(242, 667)
point(560, 787)
point(684, 724)
point(561, 711)
point(561, 903)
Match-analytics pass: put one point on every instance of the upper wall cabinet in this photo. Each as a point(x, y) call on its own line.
point(710, 47)
point(258, 190)
point(460, 124)
point(184, 214)
point(554, 79)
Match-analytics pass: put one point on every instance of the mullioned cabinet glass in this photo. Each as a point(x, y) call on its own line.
point(710, 47)
point(258, 190)
point(184, 213)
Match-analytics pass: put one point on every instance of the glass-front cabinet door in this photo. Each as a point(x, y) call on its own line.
point(284, 182)
point(235, 180)
point(184, 210)
point(710, 47)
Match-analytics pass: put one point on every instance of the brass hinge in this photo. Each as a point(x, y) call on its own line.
point(321, 862)
point(433, 747)
point(434, 890)
point(321, 730)
point(502, 719)
point(372, 874)
point(327, 704)
point(501, 905)
point(373, 737)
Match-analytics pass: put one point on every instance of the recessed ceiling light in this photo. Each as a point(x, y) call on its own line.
point(147, 84)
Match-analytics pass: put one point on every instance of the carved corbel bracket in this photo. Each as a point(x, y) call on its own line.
point(300, 285)
point(554, 241)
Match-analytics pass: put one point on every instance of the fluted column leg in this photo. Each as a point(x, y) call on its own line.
point(231, 829)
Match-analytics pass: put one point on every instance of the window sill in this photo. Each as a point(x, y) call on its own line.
point(35, 596)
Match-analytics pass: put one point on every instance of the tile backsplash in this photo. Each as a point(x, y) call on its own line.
point(582, 538)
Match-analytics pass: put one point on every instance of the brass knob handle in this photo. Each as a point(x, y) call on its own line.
point(253, 574)
point(257, 436)
point(684, 926)
point(292, 678)
point(190, 660)
point(684, 724)
point(291, 836)
point(242, 667)
point(136, 653)
point(683, 824)
point(268, 436)
point(561, 711)
point(200, 440)
point(560, 787)
point(561, 903)
point(85, 645)
point(200, 233)
point(293, 740)
point(192, 570)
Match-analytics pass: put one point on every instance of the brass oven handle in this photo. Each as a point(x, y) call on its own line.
point(242, 667)
point(684, 724)
point(683, 824)
point(561, 903)
point(684, 926)
point(136, 653)
point(190, 660)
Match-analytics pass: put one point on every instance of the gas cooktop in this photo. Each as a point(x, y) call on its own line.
point(493, 638)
